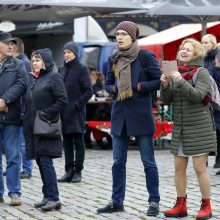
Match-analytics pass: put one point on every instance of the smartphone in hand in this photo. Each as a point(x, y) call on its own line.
point(166, 67)
point(169, 66)
point(173, 65)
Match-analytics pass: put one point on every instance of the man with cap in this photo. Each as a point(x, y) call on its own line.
point(79, 91)
point(13, 84)
point(131, 115)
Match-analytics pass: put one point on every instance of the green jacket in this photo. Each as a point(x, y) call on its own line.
point(193, 121)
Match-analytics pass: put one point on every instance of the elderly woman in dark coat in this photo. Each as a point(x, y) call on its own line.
point(79, 91)
point(46, 94)
point(193, 131)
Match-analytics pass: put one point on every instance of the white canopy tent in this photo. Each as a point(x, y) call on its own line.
point(60, 10)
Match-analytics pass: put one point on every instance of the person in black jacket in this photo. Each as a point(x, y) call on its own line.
point(217, 113)
point(209, 43)
point(46, 94)
point(79, 91)
point(13, 84)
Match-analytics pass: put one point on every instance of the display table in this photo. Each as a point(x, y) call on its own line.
point(101, 129)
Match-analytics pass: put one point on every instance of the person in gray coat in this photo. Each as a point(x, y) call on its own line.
point(194, 131)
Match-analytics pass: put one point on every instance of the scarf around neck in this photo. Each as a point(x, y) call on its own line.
point(187, 72)
point(122, 69)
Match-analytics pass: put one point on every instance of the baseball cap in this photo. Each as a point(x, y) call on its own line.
point(6, 37)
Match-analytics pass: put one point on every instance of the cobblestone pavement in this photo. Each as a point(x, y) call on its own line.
point(80, 200)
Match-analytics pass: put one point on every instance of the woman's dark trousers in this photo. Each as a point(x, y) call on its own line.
point(49, 178)
point(74, 149)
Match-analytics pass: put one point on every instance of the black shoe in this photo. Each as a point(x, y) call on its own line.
point(218, 172)
point(110, 208)
point(217, 165)
point(51, 205)
point(153, 209)
point(40, 204)
point(76, 178)
point(1, 199)
point(4, 173)
point(67, 177)
point(25, 175)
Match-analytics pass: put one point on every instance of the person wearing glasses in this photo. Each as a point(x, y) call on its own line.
point(131, 114)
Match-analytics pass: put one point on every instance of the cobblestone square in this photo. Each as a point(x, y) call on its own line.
point(80, 200)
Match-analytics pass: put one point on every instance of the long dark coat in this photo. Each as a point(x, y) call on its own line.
point(50, 96)
point(79, 91)
point(135, 112)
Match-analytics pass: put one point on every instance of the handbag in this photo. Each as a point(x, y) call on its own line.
point(45, 125)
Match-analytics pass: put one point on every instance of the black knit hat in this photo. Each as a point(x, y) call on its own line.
point(72, 46)
point(130, 27)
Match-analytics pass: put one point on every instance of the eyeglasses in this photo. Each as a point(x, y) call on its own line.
point(123, 34)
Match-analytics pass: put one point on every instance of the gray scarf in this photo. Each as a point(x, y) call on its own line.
point(122, 70)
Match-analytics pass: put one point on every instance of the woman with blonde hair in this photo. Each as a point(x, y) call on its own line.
point(210, 45)
point(193, 131)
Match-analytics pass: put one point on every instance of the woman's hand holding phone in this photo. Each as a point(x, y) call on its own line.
point(164, 80)
point(176, 76)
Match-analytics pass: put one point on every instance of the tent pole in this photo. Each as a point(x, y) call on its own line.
point(204, 25)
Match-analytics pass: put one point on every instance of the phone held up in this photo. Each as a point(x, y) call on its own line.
point(169, 66)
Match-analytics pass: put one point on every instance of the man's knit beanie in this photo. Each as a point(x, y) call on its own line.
point(72, 46)
point(130, 27)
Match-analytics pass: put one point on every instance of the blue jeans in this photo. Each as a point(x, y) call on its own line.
point(49, 178)
point(10, 140)
point(25, 163)
point(120, 147)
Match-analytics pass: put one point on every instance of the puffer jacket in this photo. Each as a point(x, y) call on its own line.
point(193, 121)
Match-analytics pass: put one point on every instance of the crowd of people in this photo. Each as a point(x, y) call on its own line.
point(30, 88)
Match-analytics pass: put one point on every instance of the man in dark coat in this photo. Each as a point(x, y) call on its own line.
point(79, 91)
point(132, 114)
point(13, 84)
